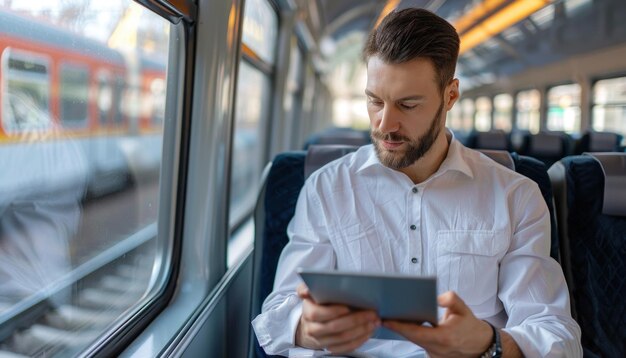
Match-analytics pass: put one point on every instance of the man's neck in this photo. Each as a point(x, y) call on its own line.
point(427, 165)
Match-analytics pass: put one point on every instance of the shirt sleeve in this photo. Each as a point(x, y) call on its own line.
point(309, 247)
point(532, 284)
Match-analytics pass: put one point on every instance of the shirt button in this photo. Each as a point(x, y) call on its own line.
point(414, 190)
point(414, 260)
point(413, 227)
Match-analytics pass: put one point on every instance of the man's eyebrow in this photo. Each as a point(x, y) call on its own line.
point(408, 98)
point(413, 98)
point(367, 92)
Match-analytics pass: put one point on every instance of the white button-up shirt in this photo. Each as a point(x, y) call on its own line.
point(480, 228)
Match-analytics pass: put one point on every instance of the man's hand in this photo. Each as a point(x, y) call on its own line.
point(333, 327)
point(458, 334)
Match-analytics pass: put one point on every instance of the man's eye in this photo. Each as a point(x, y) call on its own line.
point(407, 106)
point(376, 102)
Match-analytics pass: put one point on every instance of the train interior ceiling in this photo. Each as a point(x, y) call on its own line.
point(137, 140)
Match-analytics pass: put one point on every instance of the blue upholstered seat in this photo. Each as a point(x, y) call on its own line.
point(594, 250)
point(275, 208)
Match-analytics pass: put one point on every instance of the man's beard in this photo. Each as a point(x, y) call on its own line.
point(416, 148)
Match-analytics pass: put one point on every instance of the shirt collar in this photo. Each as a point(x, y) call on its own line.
point(454, 159)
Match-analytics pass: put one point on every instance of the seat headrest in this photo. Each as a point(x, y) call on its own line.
point(614, 168)
point(319, 155)
point(603, 141)
point(500, 156)
point(492, 140)
point(344, 137)
point(546, 144)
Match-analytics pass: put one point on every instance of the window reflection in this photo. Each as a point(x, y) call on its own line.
point(74, 91)
point(79, 190)
point(26, 104)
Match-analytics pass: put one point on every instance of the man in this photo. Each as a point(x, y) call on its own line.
point(418, 202)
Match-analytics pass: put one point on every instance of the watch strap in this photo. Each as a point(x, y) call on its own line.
point(495, 349)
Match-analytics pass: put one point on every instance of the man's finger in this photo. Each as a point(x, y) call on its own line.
point(453, 303)
point(421, 335)
point(351, 345)
point(313, 312)
point(346, 336)
point(351, 322)
point(303, 291)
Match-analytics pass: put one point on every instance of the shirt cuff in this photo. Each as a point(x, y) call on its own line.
point(542, 342)
point(276, 329)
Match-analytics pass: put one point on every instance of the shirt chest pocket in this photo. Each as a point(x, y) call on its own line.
point(468, 263)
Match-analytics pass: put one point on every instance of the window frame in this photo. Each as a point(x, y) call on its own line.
point(173, 176)
point(267, 69)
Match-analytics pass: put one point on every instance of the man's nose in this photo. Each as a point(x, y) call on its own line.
point(388, 120)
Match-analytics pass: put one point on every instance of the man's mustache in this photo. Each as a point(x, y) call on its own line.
point(391, 137)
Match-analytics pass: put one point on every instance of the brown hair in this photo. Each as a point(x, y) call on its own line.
point(412, 33)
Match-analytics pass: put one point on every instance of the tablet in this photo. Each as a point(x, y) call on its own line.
point(393, 296)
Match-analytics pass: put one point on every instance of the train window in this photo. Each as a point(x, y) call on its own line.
point(454, 119)
point(564, 108)
point(527, 110)
point(26, 103)
point(253, 100)
point(503, 110)
point(260, 28)
point(79, 253)
point(543, 17)
point(74, 92)
point(292, 103)
point(467, 110)
point(575, 6)
point(483, 114)
point(513, 34)
point(609, 105)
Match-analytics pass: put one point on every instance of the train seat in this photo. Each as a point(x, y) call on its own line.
point(276, 204)
point(590, 194)
point(496, 140)
point(536, 171)
point(548, 147)
point(599, 142)
point(342, 136)
point(284, 178)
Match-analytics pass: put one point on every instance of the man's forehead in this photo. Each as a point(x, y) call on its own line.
point(401, 79)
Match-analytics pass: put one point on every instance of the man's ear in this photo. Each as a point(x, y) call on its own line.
point(451, 93)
